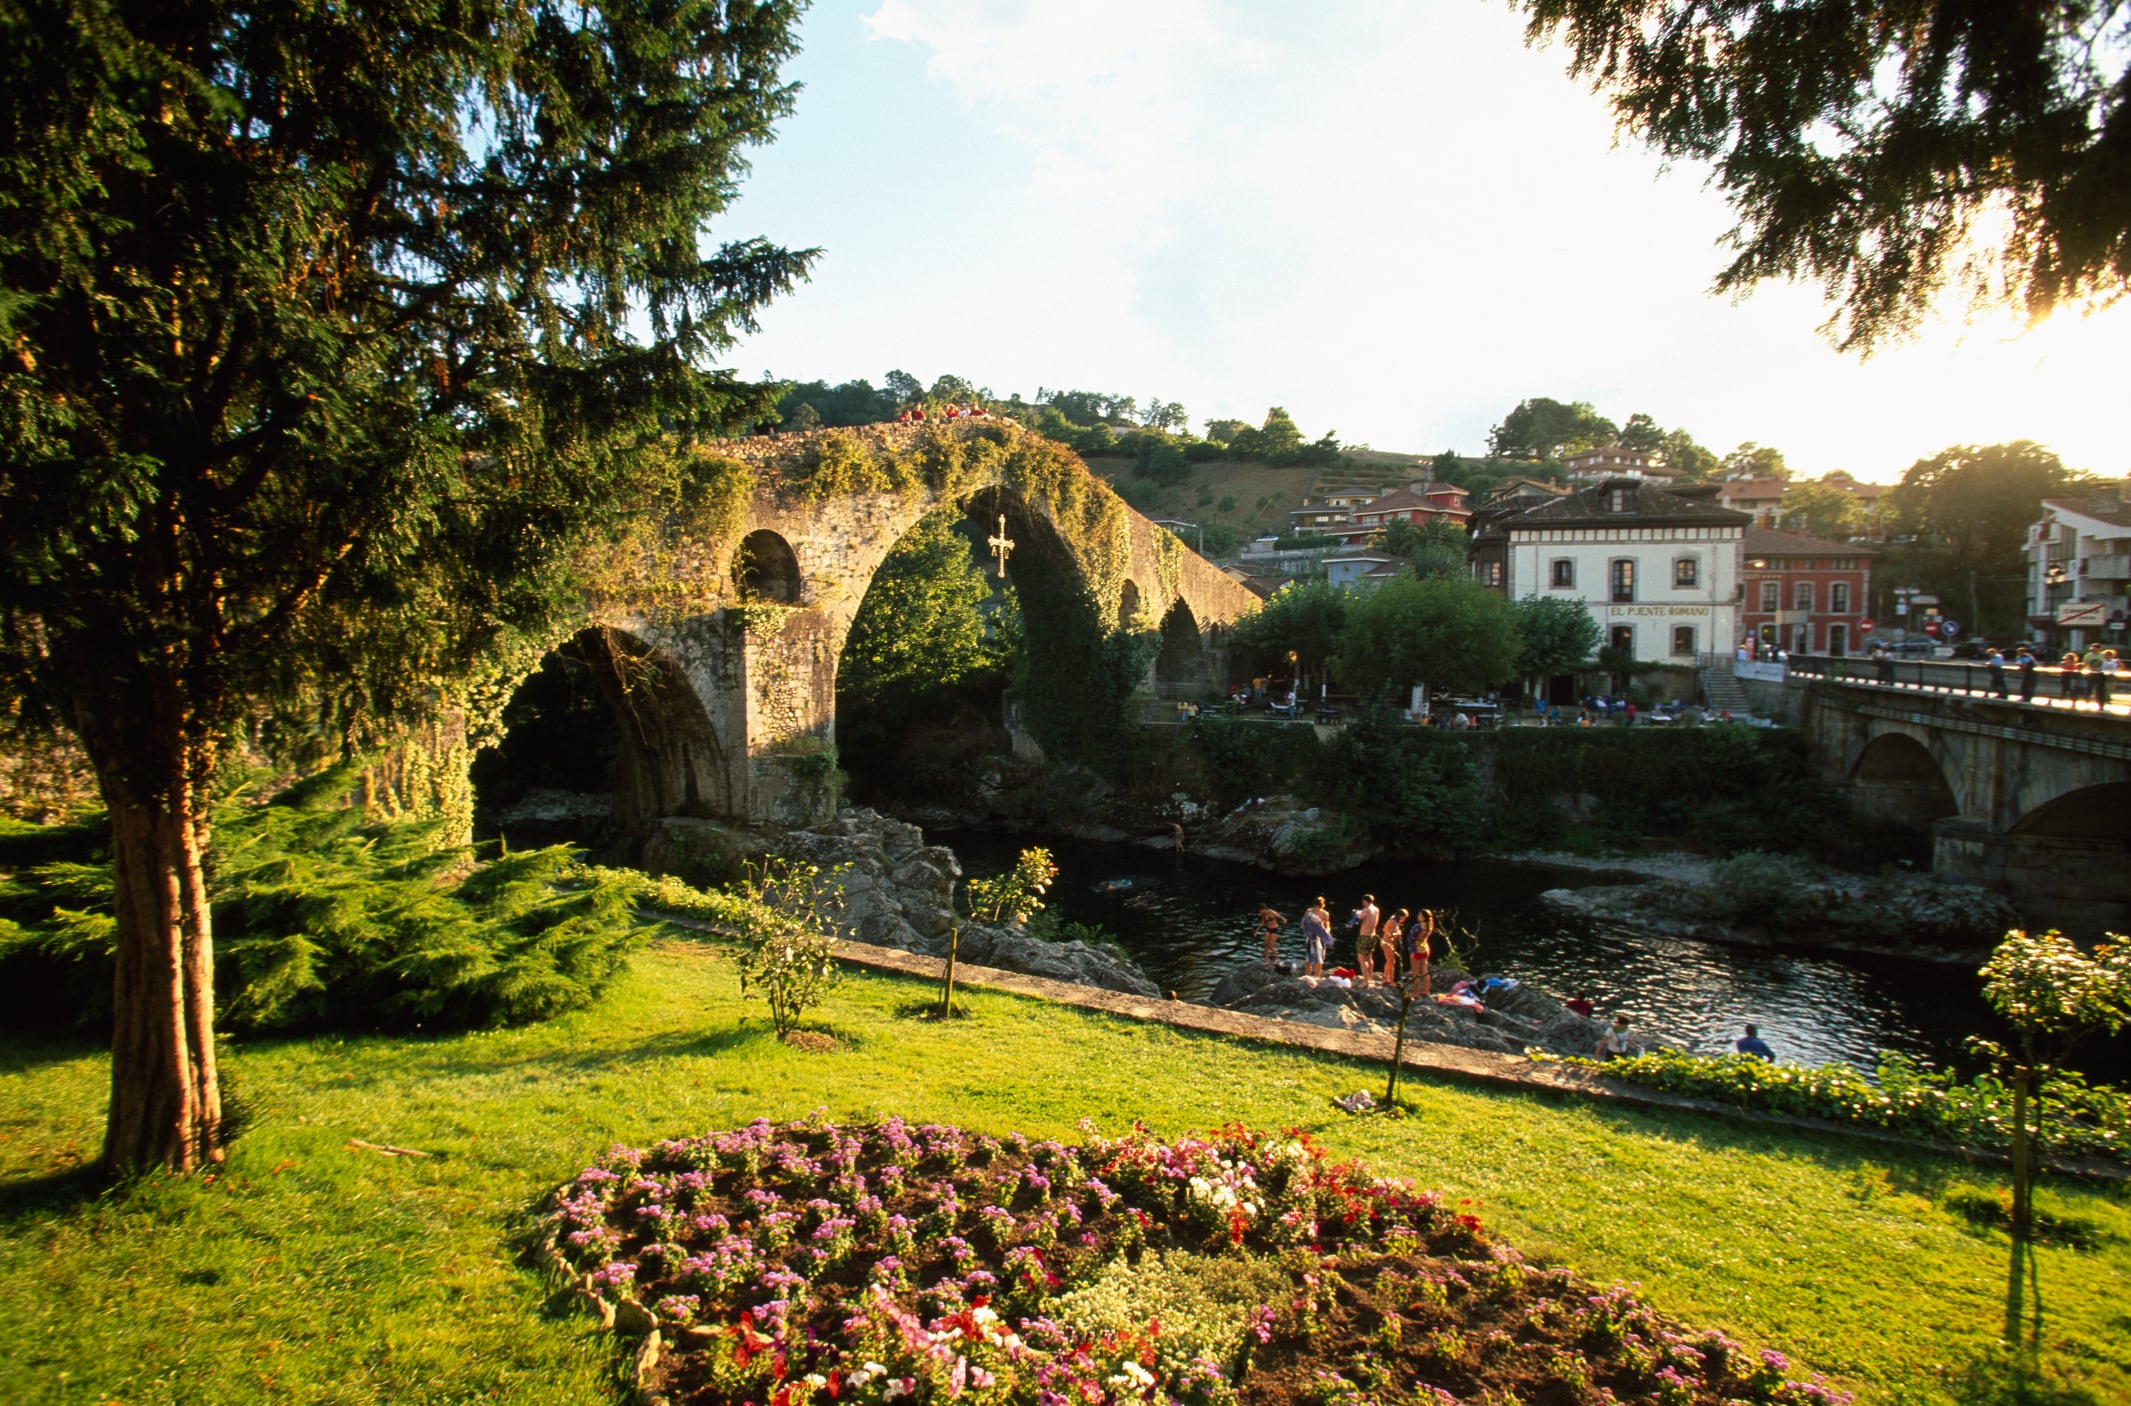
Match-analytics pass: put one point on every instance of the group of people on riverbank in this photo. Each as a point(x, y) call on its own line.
point(1387, 946)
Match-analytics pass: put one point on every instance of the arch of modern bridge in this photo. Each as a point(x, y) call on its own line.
point(2035, 802)
point(759, 674)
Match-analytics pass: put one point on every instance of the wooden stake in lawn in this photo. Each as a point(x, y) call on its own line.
point(1435, 925)
point(947, 990)
point(1398, 1047)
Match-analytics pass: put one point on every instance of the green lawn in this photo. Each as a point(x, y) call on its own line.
point(307, 1271)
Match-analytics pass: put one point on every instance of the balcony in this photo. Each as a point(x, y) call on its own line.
point(2115, 566)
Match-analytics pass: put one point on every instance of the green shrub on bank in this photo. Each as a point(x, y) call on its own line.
point(324, 920)
point(1757, 884)
point(2078, 1119)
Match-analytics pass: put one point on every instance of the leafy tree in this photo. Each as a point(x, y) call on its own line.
point(1642, 435)
point(1225, 431)
point(1822, 509)
point(1685, 457)
point(1436, 547)
point(803, 417)
point(1862, 145)
point(2055, 997)
point(903, 389)
point(1165, 415)
point(330, 331)
point(1449, 633)
point(1969, 507)
point(1751, 460)
point(1548, 429)
point(1278, 435)
point(1160, 458)
point(852, 403)
point(786, 922)
point(920, 625)
point(1302, 618)
point(1447, 466)
point(958, 389)
point(1558, 636)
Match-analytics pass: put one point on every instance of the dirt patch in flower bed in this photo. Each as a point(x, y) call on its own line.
point(809, 1263)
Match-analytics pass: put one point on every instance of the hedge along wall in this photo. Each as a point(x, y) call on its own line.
point(1424, 790)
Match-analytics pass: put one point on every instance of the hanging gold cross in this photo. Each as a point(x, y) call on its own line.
point(1001, 544)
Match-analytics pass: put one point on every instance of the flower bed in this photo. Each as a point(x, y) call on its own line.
point(808, 1263)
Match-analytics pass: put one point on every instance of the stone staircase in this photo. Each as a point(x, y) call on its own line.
point(1721, 691)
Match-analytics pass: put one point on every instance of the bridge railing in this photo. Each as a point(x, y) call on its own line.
point(1941, 676)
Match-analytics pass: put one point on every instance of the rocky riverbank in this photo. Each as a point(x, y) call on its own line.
point(899, 892)
point(1771, 901)
point(1510, 1020)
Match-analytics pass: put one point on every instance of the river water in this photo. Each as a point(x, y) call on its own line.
point(1188, 920)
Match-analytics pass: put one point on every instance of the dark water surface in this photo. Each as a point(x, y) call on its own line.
point(1187, 921)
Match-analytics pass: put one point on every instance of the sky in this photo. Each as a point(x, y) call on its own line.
point(1393, 219)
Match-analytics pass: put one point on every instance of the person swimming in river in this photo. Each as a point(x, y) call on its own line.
point(1317, 933)
point(1269, 924)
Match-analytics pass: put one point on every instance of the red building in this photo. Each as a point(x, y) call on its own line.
point(1803, 594)
point(1420, 503)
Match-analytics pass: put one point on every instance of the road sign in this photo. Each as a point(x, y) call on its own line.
point(1949, 628)
point(1865, 626)
point(1925, 600)
point(1931, 627)
point(2090, 614)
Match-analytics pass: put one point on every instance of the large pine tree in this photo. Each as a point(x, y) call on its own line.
point(325, 330)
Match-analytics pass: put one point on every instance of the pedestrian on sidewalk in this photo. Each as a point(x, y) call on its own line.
point(1996, 665)
point(2027, 674)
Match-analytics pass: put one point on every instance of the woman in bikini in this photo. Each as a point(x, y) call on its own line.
point(1387, 940)
point(1419, 933)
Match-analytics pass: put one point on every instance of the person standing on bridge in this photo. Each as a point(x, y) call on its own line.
point(2098, 675)
point(1996, 665)
point(2068, 680)
point(2027, 674)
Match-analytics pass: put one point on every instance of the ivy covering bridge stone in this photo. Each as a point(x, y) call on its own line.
point(803, 1263)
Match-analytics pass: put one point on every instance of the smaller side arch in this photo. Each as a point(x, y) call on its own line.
point(1896, 778)
point(1180, 669)
point(765, 569)
point(1128, 604)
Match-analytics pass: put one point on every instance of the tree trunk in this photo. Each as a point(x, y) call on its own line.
point(166, 1103)
point(2023, 1170)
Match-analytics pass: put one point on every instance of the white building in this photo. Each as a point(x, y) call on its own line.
point(2079, 567)
point(1658, 568)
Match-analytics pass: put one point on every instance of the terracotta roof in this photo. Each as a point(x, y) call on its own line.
point(1646, 504)
point(1405, 500)
point(1766, 542)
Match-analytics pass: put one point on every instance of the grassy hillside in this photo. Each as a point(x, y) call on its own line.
point(309, 1269)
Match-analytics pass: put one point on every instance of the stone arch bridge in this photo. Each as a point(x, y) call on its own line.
point(2033, 802)
point(727, 700)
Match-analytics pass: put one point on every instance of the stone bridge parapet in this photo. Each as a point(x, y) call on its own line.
point(2034, 802)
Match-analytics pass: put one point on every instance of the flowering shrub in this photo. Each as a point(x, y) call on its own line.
point(2078, 1119)
point(807, 1263)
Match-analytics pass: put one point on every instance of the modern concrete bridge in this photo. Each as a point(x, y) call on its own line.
point(2032, 800)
